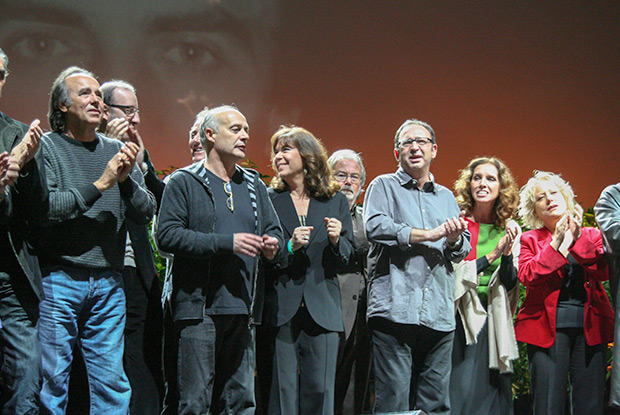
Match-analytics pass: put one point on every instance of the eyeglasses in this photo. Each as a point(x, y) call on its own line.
point(229, 202)
point(342, 177)
point(420, 141)
point(128, 110)
point(4, 73)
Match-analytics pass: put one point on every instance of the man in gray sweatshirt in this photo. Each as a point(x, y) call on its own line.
point(93, 187)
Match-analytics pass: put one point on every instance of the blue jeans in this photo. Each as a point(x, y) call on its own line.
point(216, 365)
point(21, 365)
point(90, 305)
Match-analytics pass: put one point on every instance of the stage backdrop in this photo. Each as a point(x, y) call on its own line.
point(534, 83)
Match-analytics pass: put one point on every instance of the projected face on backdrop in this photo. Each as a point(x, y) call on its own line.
point(180, 56)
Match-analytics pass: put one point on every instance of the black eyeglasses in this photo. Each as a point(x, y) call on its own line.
point(4, 73)
point(229, 202)
point(128, 110)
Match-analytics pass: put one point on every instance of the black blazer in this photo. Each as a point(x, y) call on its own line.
point(311, 272)
point(26, 200)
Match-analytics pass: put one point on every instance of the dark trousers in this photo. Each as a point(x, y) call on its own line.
point(216, 365)
point(353, 368)
point(170, 360)
point(551, 368)
point(304, 368)
point(143, 334)
point(21, 360)
point(411, 360)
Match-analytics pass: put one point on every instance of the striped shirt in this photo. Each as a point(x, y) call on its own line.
point(86, 228)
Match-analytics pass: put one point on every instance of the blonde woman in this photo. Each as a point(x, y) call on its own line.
point(566, 318)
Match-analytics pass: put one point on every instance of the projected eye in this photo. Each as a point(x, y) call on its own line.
point(36, 46)
point(190, 53)
point(196, 50)
point(37, 43)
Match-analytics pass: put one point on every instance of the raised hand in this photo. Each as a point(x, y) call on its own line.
point(454, 227)
point(575, 221)
point(128, 152)
point(117, 128)
point(23, 152)
point(301, 237)
point(4, 168)
point(333, 227)
point(511, 235)
point(560, 231)
point(134, 137)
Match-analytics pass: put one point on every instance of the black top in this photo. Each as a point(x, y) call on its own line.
point(572, 296)
point(231, 280)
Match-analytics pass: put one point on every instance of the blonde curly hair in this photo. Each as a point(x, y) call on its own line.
point(318, 177)
point(528, 198)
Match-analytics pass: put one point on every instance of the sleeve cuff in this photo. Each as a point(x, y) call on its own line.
point(90, 193)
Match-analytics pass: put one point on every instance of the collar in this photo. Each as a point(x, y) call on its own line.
point(409, 182)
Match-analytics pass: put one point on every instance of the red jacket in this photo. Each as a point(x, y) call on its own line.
point(541, 270)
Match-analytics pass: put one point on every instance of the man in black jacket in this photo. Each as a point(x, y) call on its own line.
point(142, 358)
point(21, 184)
point(218, 221)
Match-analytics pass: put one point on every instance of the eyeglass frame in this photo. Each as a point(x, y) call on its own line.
point(355, 178)
point(4, 73)
point(420, 141)
point(125, 108)
point(229, 201)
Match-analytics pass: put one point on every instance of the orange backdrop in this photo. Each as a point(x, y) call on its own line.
point(534, 83)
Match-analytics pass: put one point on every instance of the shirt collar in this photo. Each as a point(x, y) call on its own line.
point(407, 181)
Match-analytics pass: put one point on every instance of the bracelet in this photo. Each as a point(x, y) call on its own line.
point(290, 249)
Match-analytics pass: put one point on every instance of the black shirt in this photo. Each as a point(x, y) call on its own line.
point(231, 279)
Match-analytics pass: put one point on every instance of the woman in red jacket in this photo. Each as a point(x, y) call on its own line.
point(566, 318)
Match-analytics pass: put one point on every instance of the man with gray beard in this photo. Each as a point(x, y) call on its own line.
point(354, 351)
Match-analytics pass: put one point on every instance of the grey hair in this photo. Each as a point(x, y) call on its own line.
point(413, 121)
point(60, 94)
point(527, 198)
point(108, 88)
point(212, 121)
point(349, 155)
point(5, 59)
point(201, 115)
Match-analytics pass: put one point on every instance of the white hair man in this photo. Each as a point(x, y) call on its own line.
point(354, 353)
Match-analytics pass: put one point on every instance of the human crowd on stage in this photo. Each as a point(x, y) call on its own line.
point(288, 298)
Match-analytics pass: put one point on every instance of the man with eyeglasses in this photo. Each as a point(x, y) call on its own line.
point(143, 333)
point(415, 232)
point(354, 352)
point(22, 190)
point(218, 222)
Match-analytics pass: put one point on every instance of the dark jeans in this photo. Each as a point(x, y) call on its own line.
point(142, 358)
point(569, 357)
point(412, 359)
point(21, 363)
point(216, 365)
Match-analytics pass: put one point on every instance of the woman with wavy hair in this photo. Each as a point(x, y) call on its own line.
point(566, 318)
point(486, 291)
point(303, 293)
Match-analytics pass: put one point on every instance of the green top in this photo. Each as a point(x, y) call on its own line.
point(488, 237)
